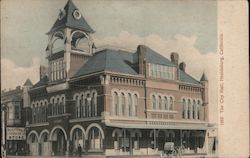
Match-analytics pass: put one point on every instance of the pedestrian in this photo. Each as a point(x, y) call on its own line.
point(79, 149)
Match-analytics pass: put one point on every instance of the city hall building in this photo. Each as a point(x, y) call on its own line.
point(114, 102)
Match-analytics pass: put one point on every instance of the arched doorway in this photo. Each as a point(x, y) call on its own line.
point(78, 138)
point(58, 138)
point(95, 139)
point(45, 149)
point(32, 141)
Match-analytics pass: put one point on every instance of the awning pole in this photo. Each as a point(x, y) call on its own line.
point(154, 140)
point(124, 145)
point(181, 137)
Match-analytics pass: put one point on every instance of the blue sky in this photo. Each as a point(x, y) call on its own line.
point(25, 22)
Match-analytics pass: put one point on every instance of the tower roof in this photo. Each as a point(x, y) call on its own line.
point(71, 17)
point(28, 83)
point(203, 77)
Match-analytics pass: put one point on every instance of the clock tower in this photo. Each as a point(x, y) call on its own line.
point(69, 45)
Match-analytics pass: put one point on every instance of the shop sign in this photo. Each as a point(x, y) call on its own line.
point(15, 133)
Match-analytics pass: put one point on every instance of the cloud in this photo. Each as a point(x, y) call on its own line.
point(12, 75)
point(196, 62)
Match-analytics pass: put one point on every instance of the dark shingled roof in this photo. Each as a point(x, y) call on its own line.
point(155, 58)
point(184, 77)
point(203, 77)
point(109, 60)
point(121, 61)
point(28, 83)
point(42, 82)
point(16, 98)
point(69, 21)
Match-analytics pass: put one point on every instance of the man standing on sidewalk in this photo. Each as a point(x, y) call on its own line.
point(79, 149)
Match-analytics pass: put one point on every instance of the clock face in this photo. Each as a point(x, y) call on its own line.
point(61, 14)
point(77, 15)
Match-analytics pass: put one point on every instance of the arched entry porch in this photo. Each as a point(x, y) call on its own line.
point(58, 137)
point(77, 136)
point(45, 145)
point(32, 140)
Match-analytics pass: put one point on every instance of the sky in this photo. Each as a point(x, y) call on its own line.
point(187, 27)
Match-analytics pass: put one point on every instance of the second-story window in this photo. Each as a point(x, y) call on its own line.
point(165, 103)
point(17, 110)
point(162, 71)
point(57, 69)
point(154, 102)
point(130, 104)
point(123, 104)
point(159, 103)
point(171, 103)
point(116, 103)
point(135, 106)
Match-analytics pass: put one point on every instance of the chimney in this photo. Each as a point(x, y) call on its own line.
point(182, 66)
point(174, 57)
point(141, 58)
point(43, 71)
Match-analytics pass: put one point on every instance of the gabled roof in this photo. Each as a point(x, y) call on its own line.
point(41, 82)
point(203, 77)
point(107, 60)
point(184, 77)
point(68, 20)
point(28, 83)
point(156, 58)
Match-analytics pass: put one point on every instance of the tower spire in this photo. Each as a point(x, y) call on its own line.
point(71, 17)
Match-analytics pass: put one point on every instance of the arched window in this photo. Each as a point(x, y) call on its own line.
point(123, 104)
point(198, 109)
point(116, 104)
point(77, 106)
point(94, 104)
point(33, 113)
point(37, 113)
point(46, 111)
point(88, 101)
point(184, 113)
point(135, 106)
point(194, 110)
point(40, 112)
point(159, 103)
point(166, 103)
point(63, 106)
point(171, 103)
point(53, 106)
point(57, 106)
point(130, 104)
point(82, 105)
point(190, 111)
point(154, 102)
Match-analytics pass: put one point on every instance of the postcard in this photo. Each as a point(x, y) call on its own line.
point(93, 78)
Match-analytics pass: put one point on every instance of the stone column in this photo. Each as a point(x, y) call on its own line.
point(67, 148)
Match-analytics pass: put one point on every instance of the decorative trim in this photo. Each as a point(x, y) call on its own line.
point(85, 119)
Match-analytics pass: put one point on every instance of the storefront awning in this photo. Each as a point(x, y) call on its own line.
point(202, 126)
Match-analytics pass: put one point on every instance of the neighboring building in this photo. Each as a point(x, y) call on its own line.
point(114, 102)
point(13, 103)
